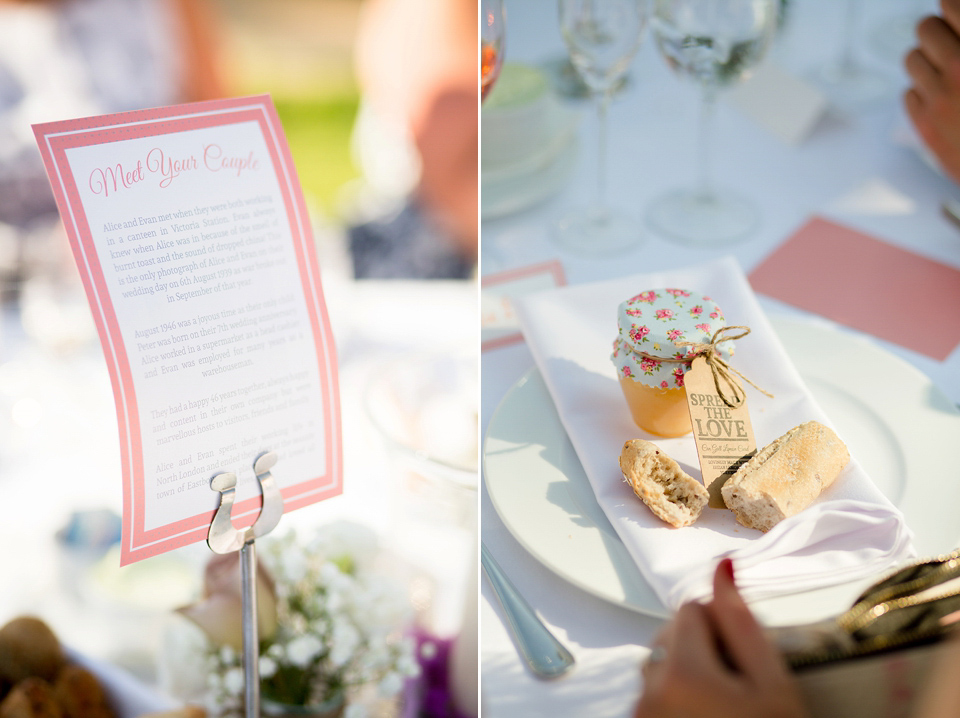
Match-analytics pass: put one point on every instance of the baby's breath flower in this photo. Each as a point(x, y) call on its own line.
point(298, 623)
point(390, 684)
point(338, 625)
point(213, 681)
point(345, 641)
point(294, 566)
point(335, 602)
point(303, 649)
point(356, 710)
point(212, 704)
point(332, 576)
point(268, 666)
point(407, 666)
point(233, 681)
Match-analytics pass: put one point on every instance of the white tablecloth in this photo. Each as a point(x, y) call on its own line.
point(651, 136)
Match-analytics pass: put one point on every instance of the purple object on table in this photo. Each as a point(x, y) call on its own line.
point(430, 695)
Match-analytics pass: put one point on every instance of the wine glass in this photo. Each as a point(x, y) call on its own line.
point(847, 82)
point(492, 44)
point(602, 36)
point(716, 43)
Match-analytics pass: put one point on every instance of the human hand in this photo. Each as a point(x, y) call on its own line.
point(933, 100)
point(940, 696)
point(716, 662)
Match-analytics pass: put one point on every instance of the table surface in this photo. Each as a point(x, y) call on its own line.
point(652, 124)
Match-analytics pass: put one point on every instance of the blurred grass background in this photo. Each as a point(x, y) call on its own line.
point(301, 53)
point(318, 130)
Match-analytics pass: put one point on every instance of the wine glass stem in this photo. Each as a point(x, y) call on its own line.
point(600, 208)
point(708, 102)
point(846, 62)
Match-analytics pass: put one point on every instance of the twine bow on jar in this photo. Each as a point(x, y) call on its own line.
point(728, 388)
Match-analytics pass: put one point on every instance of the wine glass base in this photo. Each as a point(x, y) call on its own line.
point(703, 220)
point(598, 233)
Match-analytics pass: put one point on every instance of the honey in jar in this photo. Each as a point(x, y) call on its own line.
point(651, 356)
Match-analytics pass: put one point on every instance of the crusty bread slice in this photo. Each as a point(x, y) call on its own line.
point(786, 476)
point(671, 493)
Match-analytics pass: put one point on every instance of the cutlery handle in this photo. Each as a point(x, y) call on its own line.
point(545, 655)
point(951, 210)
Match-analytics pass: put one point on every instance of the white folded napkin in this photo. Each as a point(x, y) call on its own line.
point(852, 532)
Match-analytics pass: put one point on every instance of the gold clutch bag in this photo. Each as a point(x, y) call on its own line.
point(873, 659)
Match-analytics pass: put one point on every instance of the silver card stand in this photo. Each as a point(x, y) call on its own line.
point(223, 537)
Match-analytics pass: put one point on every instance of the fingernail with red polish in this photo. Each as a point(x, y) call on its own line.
point(726, 568)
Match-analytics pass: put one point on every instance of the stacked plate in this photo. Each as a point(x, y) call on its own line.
point(528, 146)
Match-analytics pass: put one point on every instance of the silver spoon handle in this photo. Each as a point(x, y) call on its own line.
point(951, 210)
point(545, 655)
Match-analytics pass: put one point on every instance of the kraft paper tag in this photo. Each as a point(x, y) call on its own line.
point(723, 434)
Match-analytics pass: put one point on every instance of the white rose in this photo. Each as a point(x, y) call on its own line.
point(219, 612)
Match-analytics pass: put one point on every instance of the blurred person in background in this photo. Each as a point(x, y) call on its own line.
point(416, 139)
point(74, 58)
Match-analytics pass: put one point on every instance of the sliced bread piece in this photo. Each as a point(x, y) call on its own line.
point(671, 494)
point(786, 476)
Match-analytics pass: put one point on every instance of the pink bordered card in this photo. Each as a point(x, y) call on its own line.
point(867, 284)
point(191, 234)
point(499, 325)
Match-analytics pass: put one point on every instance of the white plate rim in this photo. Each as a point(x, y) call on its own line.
point(503, 195)
point(920, 417)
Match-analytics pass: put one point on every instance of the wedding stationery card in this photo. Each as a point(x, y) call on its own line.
point(499, 325)
point(191, 235)
point(865, 283)
point(783, 104)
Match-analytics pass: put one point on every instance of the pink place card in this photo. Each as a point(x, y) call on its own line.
point(191, 235)
point(864, 283)
point(499, 325)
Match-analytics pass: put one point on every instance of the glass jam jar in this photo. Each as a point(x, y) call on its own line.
point(650, 363)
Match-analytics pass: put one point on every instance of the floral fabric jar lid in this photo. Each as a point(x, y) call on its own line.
point(651, 324)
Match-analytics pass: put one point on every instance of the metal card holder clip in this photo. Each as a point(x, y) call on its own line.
point(224, 537)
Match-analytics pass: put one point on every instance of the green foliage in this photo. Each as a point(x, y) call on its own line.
point(318, 130)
